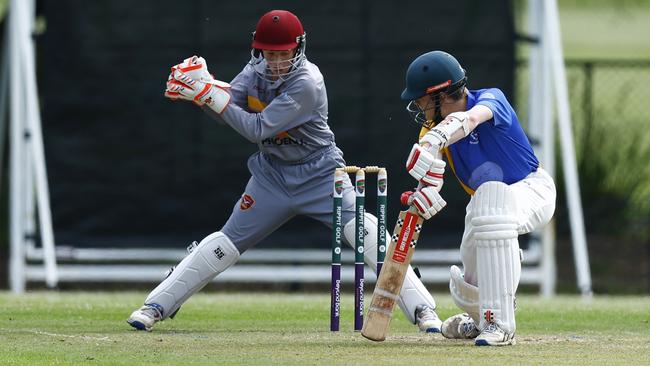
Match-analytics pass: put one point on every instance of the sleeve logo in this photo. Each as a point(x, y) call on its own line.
point(246, 202)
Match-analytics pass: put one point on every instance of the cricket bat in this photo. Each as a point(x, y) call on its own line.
point(398, 257)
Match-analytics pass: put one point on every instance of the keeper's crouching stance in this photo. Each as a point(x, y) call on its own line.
point(278, 96)
point(216, 253)
point(479, 133)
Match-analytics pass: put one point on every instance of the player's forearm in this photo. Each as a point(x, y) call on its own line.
point(246, 124)
point(256, 127)
point(455, 127)
point(477, 115)
point(283, 113)
point(214, 115)
point(241, 121)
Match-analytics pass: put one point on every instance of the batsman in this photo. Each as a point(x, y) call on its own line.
point(510, 194)
point(278, 102)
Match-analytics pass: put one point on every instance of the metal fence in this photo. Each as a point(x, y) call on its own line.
point(601, 92)
point(610, 117)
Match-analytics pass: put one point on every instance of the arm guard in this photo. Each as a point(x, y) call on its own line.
point(451, 129)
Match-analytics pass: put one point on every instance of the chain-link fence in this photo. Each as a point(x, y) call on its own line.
point(610, 116)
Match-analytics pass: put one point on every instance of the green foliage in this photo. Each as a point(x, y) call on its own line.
point(616, 176)
point(268, 329)
point(4, 6)
point(610, 117)
point(612, 146)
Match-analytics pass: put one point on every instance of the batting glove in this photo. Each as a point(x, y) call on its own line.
point(427, 201)
point(405, 197)
point(418, 162)
point(425, 167)
point(436, 138)
point(445, 133)
point(434, 177)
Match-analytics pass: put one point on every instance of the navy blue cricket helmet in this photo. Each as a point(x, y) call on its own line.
point(431, 74)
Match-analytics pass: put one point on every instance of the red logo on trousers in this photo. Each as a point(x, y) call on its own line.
point(489, 316)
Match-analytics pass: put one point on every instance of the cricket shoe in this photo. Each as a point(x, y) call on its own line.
point(427, 319)
point(493, 335)
point(145, 317)
point(460, 326)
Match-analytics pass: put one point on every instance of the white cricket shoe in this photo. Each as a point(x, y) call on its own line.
point(460, 326)
point(145, 317)
point(427, 319)
point(493, 335)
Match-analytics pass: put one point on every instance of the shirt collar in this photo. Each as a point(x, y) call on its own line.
point(471, 100)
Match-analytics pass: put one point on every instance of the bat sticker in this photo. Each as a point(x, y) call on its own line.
point(404, 241)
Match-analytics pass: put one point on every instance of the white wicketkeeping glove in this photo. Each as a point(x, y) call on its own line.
point(191, 80)
point(215, 95)
point(196, 68)
point(425, 167)
point(427, 201)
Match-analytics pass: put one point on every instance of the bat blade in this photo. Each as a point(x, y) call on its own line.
point(398, 257)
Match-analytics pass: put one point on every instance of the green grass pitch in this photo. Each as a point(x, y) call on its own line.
point(50, 328)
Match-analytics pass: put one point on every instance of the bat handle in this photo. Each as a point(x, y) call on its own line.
point(404, 201)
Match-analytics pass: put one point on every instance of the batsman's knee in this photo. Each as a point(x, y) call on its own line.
point(493, 199)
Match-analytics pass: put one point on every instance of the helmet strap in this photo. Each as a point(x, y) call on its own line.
point(438, 113)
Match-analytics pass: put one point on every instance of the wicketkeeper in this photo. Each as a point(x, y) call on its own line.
point(510, 194)
point(279, 102)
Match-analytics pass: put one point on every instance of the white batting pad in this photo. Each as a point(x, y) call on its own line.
point(213, 255)
point(413, 292)
point(465, 295)
point(498, 261)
